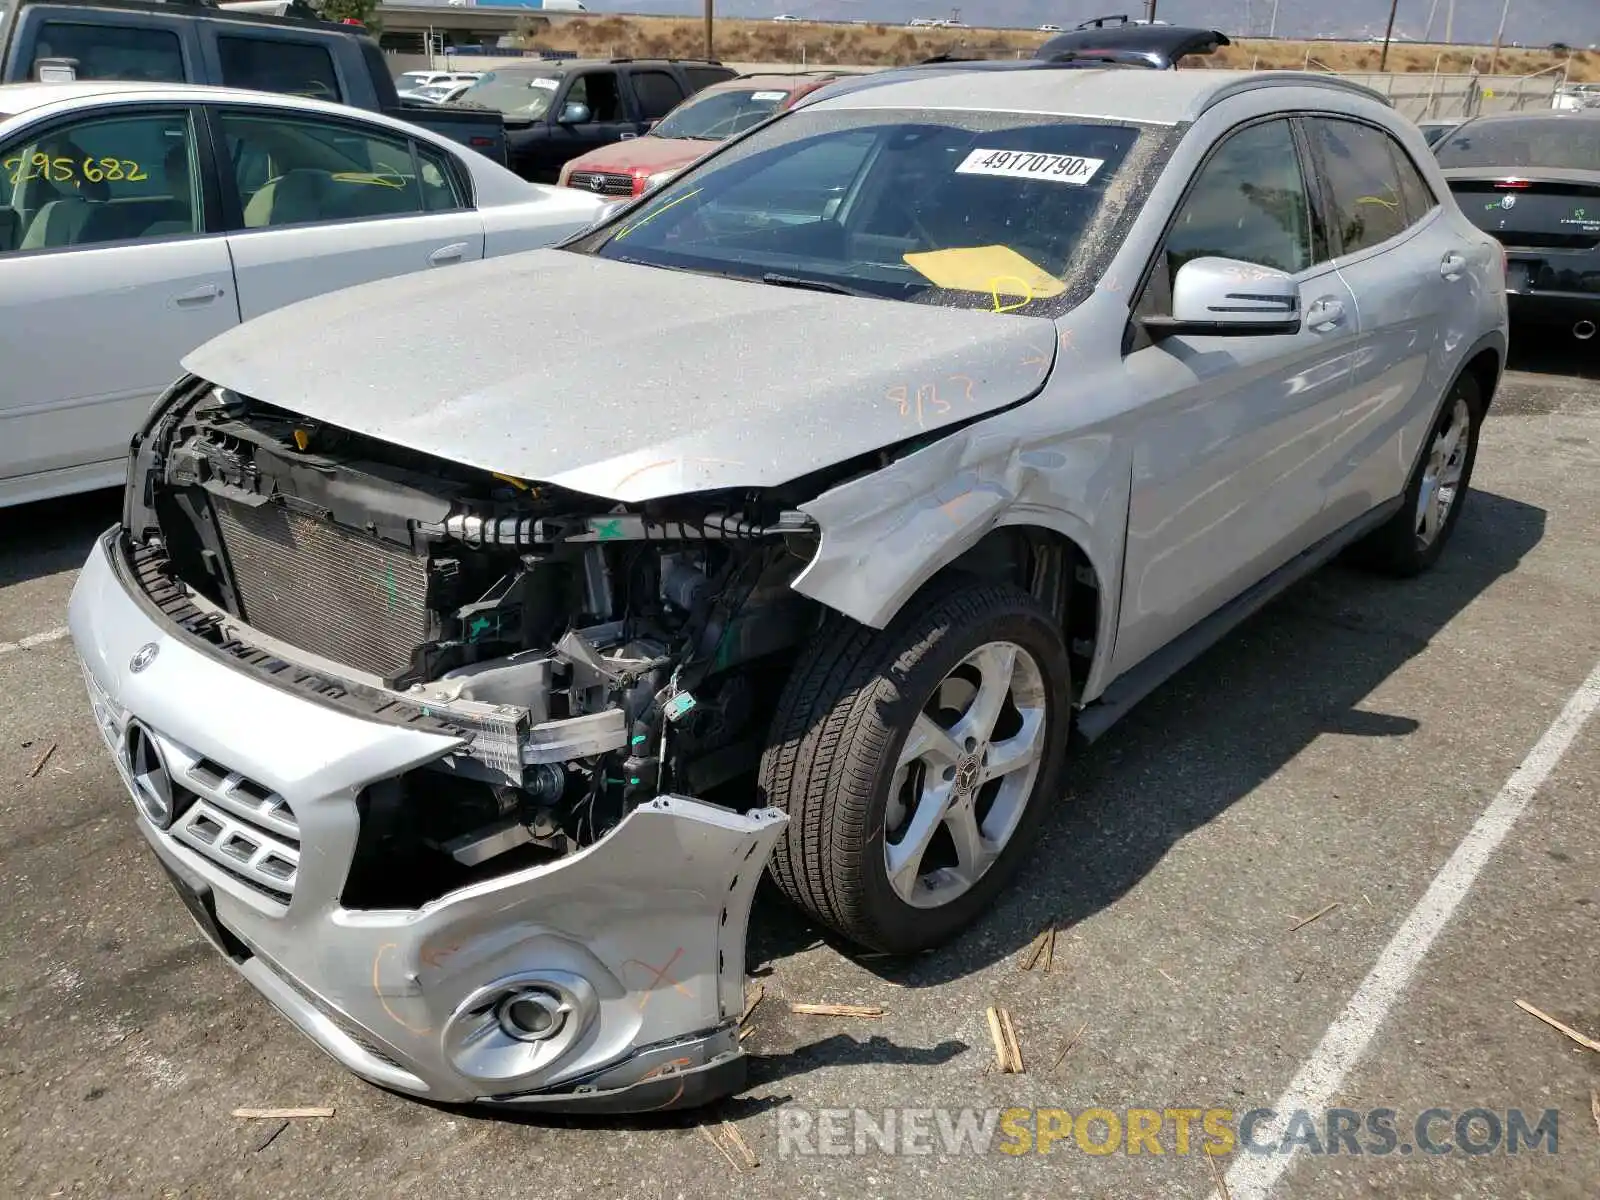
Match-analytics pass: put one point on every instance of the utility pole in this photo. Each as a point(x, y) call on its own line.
point(1383, 59)
point(1450, 23)
point(1272, 27)
point(1149, 10)
point(1433, 11)
point(1499, 37)
point(710, 49)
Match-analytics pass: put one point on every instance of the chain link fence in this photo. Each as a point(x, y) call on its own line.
point(1437, 96)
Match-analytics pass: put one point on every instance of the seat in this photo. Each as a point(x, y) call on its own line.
point(293, 198)
point(58, 223)
point(10, 224)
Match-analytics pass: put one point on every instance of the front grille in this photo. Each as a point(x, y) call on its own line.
point(347, 597)
point(606, 183)
point(234, 823)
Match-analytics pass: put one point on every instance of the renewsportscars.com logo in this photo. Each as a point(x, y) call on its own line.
point(1153, 1131)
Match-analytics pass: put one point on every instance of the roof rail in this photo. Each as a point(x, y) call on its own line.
point(1260, 79)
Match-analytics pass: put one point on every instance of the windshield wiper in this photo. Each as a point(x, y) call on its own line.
point(817, 285)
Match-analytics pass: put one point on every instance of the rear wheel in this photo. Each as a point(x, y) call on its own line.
point(916, 762)
point(1412, 540)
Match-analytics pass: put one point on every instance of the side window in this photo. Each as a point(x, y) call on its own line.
point(293, 171)
point(113, 51)
point(704, 77)
point(440, 191)
point(1414, 190)
point(1249, 202)
point(274, 65)
point(1368, 203)
point(100, 180)
point(658, 93)
point(597, 89)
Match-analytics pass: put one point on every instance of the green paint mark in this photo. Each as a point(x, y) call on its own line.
point(392, 587)
point(637, 738)
point(479, 626)
point(635, 779)
point(608, 531)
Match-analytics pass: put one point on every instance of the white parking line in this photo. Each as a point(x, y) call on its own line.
point(1254, 1176)
point(36, 639)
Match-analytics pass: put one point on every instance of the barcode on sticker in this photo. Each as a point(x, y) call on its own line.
point(1026, 164)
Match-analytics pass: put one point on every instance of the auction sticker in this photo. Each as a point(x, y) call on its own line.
point(1025, 164)
point(762, 97)
point(539, 81)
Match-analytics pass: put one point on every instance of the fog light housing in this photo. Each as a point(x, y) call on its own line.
point(523, 1026)
point(533, 1015)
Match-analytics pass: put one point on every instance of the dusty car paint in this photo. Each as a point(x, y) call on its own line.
point(712, 382)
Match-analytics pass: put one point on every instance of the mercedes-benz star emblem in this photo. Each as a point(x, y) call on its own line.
point(145, 656)
point(152, 782)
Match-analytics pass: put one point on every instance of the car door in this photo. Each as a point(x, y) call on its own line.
point(111, 269)
point(609, 118)
point(319, 203)
point(1408, 268)
point(655, 94)
point(1225, 478)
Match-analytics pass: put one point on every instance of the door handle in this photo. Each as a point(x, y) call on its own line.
point(204, 294)
point(1452, 264)
point(454, 252)
point(1325, 313)
point(626, 136)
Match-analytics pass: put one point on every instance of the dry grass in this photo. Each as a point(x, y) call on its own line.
point(881, 45)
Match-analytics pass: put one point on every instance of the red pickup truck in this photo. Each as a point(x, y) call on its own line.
point(631, 167)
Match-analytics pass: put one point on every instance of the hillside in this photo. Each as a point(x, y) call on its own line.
point(873, 45)
point(1531, 22)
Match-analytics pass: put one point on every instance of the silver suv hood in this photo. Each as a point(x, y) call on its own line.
point(624, 381)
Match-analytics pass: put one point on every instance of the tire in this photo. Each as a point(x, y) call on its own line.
point(846, 715)
point(1404, 546)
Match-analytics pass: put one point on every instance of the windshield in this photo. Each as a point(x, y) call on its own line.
point(1551, 142)
point(718, 115)
point(973, 210)
point(519, 94)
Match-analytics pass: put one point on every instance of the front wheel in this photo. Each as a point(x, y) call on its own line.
point(916, 762)
point(1411, 541)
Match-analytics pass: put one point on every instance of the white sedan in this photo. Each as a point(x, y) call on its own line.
point(140, 220)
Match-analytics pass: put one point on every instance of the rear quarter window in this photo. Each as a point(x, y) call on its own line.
point(113, 51)
point(704, 77)
point(275, 65)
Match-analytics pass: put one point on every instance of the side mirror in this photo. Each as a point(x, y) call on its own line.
point(575, 114)
point(1222, 297)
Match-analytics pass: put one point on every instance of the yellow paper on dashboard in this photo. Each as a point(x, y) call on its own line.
point(998, 270)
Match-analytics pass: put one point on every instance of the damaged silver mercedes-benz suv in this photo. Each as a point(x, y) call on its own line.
point(472, 644)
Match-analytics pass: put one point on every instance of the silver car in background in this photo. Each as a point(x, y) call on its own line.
point(466, 682)
point(139, 220)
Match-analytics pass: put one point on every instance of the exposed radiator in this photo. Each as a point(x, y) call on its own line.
point(338, 594)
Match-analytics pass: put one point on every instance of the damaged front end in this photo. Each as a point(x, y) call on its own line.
point(511, 896)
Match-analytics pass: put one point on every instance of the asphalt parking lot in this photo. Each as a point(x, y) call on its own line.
point(1325, 761)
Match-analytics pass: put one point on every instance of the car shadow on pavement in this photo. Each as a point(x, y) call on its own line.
point(1300, 668)
point(53, 535)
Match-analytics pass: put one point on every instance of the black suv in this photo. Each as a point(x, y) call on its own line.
point(559, 110)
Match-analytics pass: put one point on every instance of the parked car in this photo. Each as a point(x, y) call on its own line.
point(439, 93)
point(467, 679)
point(410, 81)
point(1435, 131)
point(1532, 181)
point(719, 112)
point(153, 41)
point(556, 111)
point(125, 242)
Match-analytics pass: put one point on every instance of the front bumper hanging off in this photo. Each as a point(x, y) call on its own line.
point(632, 949)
